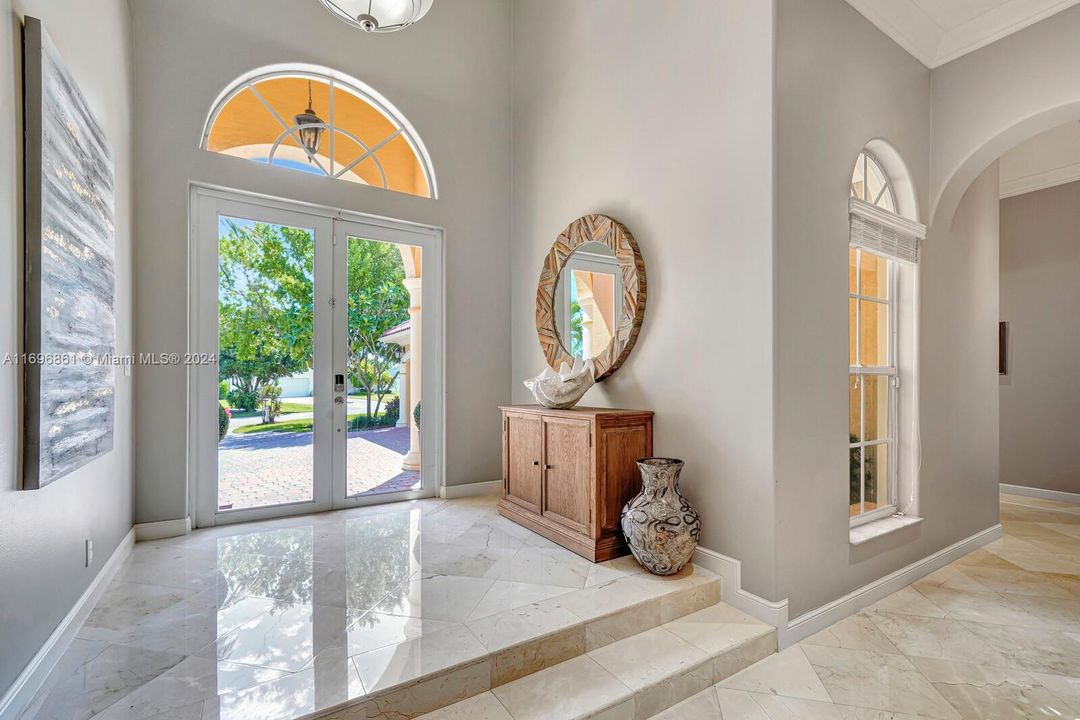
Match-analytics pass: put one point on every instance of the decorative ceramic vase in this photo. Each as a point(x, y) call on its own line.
point(660, 525)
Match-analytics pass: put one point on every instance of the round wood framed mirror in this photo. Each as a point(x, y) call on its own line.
point(590, 301)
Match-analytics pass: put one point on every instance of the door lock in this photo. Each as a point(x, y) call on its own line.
point(339, 400)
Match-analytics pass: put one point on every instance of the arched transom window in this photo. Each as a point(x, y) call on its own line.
point(319, 121)
point(870, 184)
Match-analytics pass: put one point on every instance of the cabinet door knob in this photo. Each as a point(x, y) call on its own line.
point(547, 467)
point(536, 462)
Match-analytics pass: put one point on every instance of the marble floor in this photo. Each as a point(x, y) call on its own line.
point(995, 634)
point(285, 618)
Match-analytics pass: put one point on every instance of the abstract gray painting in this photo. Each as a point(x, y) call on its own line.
point(70, 271)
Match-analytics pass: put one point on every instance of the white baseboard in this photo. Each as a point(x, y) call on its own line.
point(729, 569)
point(470, 489)
point(775, 613)
point(1059, 495)
point(820, 618)
point(33, 676)
point(162, 529)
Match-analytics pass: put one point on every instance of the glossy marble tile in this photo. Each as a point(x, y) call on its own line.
point(437, 597)
point(910, 602)
point(422, 607)
point(545, 566)
point(374, 630)
point(481, 707)
point(929, 637)
point(717, 629)
point(506, 595)
point(430, 694)
point(982, 607)
point(420, 656)
point(983, 692)
point(1037, 649)
point(788, 673)
point(661, 668)
point(283, 638)
point(856, 632)
point(99, 676)
point(1065, 688)
point(505, 629)
point(563, 692)
point(881, 681)
point(782, 708)
point(702, 706)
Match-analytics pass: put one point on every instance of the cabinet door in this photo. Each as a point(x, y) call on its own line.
point(567, 472)
point(523, 453)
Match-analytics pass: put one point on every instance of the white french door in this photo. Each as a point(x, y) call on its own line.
point(294, 300)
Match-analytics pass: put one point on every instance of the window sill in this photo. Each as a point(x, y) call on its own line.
point(869, 531)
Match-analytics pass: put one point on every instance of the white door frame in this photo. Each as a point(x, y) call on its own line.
point(206, 202)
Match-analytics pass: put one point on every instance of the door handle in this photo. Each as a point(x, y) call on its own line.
point(339, 400)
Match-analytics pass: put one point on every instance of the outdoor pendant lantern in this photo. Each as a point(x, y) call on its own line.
point(381, 16)
point(310, 126)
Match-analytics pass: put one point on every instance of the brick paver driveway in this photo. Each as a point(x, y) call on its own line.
point(269, 468)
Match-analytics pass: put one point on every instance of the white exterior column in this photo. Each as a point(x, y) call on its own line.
point(403, 391)
point(413, 285)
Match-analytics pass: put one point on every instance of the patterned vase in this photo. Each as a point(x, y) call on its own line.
point(660, 526)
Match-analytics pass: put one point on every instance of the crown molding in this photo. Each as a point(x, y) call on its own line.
point(915, 31)
point(1040, 181)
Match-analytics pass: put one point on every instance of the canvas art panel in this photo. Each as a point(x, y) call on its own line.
point(70, 271)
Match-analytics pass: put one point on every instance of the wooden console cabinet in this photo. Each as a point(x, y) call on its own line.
point(568, 473)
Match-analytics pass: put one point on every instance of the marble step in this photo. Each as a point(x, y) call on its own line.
point(631, 679)
point(442, 668)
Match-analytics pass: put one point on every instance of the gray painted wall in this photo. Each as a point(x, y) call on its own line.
point(664, 121)
point(828, 108)
point(450, 80)
point(42, 531)
point(1040, 297)
point(990, 100)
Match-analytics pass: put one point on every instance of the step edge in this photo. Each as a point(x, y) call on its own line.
point(491, 656)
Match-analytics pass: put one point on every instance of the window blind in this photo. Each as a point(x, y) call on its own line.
point(884, 233)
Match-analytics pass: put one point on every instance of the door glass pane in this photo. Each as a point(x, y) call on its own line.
point(875, 407)
point(383, 367)
point(874, 332)
point(265, 334)
point(876, 492)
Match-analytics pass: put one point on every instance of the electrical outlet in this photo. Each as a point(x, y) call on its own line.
point(89, 552)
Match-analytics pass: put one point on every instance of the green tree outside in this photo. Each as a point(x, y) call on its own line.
point(265, 306)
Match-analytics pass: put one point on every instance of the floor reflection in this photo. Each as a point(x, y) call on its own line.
point(281, 618)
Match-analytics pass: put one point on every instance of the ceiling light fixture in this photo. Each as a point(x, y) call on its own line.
point(311, 127)
point(378, 15)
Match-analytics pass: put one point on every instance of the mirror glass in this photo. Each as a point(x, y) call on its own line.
point(588, 300)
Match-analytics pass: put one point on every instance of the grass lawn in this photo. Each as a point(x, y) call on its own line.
point(374, 398)
point(285, 426)
point(286, 408)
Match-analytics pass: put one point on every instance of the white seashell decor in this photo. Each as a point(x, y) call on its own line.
point(562, 390)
